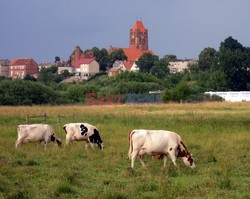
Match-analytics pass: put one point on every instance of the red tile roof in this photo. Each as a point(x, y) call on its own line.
point(128, 64)
point(26, 61)
point(83, 61)
point(139, 25)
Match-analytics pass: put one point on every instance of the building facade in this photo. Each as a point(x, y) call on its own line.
point(180, 65)
point(19, 68)
point(4, 67)
point(86, 68)
point(78, 54)
point(138, 36)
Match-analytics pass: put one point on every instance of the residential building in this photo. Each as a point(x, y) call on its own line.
point(4, 67)
point(86, 68)
point(114, 71)
point(78, 54)
point(180, 65)
point(19, 68)
point(44, 64)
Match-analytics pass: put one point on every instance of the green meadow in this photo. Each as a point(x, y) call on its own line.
point(217, 134)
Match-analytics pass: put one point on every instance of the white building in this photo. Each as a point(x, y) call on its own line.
point(232, 96)
point(86, 68)
point(180, 65)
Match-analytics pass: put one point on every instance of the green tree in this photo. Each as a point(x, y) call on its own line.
point(234, 61)
point(160, 69)
point(146, 62)
point(217, 81)
point(117, 55)
point(101, 57)
point(28, 77)
point(169, 57)
point(207, 58)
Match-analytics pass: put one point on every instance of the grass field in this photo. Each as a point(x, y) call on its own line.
point(217, 134)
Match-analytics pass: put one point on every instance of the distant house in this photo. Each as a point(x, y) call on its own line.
point(19, 68)
point(86, 68)
point(114, 71)
point(44, 65)
point(4, 67)
point(78, 54)
point(119, 66)
point(180, 65)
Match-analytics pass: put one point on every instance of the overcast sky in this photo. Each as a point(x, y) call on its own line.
point(43, 29)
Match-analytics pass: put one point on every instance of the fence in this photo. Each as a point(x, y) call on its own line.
point(44, 117)
point(59, 117)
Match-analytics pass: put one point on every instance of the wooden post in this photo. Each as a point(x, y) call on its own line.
point(27, 119)
point(58, 118)
point(45, 118)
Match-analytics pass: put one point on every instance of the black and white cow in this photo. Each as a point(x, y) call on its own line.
point(83, 132)
point(158, 143)
point(36, 133)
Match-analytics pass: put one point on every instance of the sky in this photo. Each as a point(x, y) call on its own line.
point(43, 29)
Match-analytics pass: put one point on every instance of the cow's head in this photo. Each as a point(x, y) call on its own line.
point(96, 139)
point(185, 155)
point(59, 142)
point(189, 161)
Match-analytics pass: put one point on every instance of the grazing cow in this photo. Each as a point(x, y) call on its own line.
point(83, 132)
point(158, 143)
point(36, 133)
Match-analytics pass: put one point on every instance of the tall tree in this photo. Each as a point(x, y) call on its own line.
point(169, 57)
point(101, 57)
point(207, 58)
point(160, 69)
point(146, 62)
point(234, 61)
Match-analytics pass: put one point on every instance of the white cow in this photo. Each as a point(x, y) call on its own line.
point(83, 132)
point(36, 133)
point(158, 143)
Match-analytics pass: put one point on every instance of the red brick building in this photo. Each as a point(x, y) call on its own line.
point(79, 54)
point(19, 68)
point(138, 36)
point(138, 45)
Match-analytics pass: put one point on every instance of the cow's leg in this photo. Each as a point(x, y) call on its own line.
point(141, 158)
point(45, 145)
point(18, 142)
point(68, 141)
point(164, 161)
point(173, 156)
point(133, 156)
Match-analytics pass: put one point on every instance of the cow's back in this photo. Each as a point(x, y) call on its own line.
point(34, 132)
point(154, 140)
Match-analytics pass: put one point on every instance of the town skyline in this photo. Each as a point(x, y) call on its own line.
point(41, 31)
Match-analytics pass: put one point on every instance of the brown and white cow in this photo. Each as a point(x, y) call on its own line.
point(158, 143)
point(36, 133)
point(83, 132)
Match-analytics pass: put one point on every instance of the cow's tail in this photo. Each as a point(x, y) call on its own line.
point(130, 141)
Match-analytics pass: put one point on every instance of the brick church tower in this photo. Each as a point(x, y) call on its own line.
point(138, 36)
